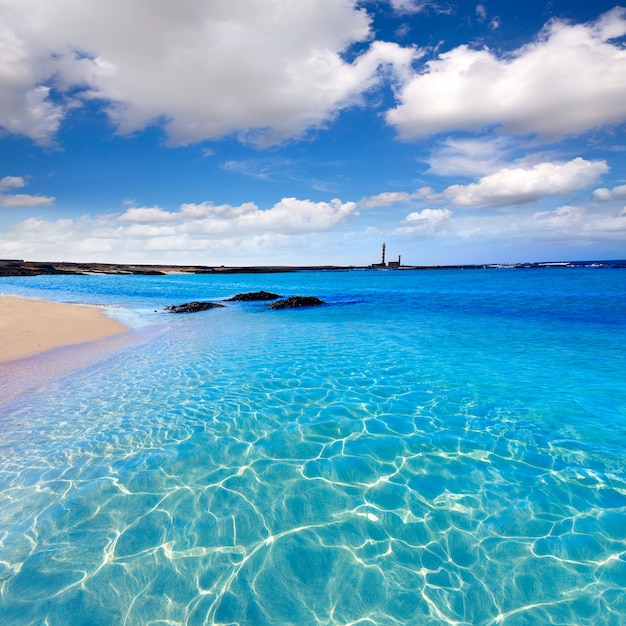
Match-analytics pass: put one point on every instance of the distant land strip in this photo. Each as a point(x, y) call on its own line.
point(19, 267)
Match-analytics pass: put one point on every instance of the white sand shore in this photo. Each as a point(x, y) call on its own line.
point(29, 327)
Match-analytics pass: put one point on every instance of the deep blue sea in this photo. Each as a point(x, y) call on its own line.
point(430, 447)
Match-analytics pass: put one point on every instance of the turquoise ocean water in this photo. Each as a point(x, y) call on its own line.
point(431, 447)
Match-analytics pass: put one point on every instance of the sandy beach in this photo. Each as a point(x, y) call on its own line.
point(29, 327)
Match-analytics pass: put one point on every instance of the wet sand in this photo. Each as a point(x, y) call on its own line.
point(29, 327)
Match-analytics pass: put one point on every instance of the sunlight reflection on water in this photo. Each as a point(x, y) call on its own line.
point(327, 466)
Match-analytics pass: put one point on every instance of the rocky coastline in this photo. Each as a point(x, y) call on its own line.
point(19, 267)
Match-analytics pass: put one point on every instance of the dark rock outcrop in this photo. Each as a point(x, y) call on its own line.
point(253, 295)
point(295, 302)
point(192, 307)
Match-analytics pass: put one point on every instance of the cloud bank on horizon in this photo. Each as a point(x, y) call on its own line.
point(459, 137)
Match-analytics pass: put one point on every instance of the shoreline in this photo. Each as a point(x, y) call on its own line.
point(19, 267)
point(32, 327)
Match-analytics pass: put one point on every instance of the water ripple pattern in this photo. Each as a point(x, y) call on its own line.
point(430, 448)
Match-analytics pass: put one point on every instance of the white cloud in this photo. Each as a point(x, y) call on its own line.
point(617, 193)
point(570, 80)
point(424, 222)
point(259, 169)
point(419, 6)
point(152, 234)
point(469, 157)
point(268, 71)
point(410, 6)
point(389, 198)
point(147, 215)
point(288, 216)
point(218, 234)
point(20, 199)
point(11, 182)
point(24, 104)
point(580, 223)
point(521, 185)
point(428, 215)
point(23, 199)
point(565, 227)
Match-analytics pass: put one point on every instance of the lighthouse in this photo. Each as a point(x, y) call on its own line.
point(383, 263)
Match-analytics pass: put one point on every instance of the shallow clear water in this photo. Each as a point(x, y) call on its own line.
point(432, 447)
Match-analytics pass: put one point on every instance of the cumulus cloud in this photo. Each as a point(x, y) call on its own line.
point(564, 227)
point(535, 91)
point(20, 199)
point(469, 157)
point(521, 185)
point(218, 234)
point(24, 199)
point(268, 71)
point(580, 223)
point(389, 198)
point(290, 215)
point(11, 182)
point(424, 222)
point(186, 235)
point(617, 193)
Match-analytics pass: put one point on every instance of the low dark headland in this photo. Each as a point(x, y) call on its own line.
point(19, 267)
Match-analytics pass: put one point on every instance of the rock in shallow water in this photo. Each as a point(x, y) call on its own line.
point(253, 295)
point(192, 307)
point(296, 301)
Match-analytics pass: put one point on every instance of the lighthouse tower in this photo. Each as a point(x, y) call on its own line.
point(383, 257)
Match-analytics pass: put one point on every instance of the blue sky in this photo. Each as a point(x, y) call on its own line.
point(238, 132)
